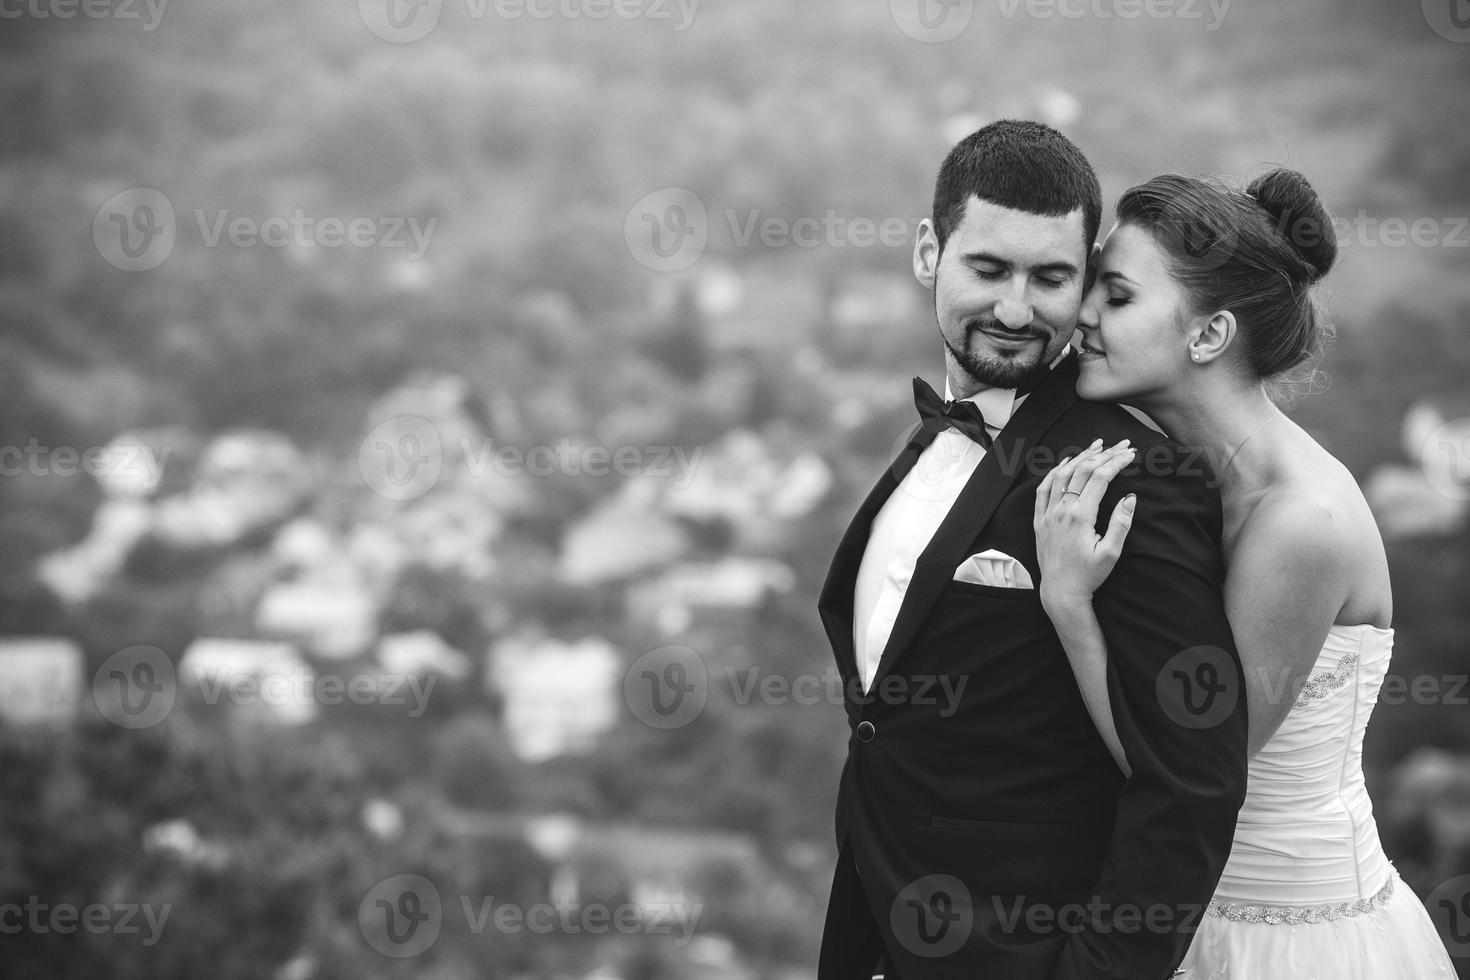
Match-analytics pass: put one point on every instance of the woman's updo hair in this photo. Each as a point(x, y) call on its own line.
point(1255, 252)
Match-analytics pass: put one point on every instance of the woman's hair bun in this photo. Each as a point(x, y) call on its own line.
point(1300, 217)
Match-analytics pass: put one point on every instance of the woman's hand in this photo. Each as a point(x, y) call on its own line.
point(1073, 559)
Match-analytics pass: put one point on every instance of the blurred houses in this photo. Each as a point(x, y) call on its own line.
point(253, 680)
point(706, 594)
point(341, 486)
point(41, 680)
point(332, 615)
point(560, 697)
point(422, 652)
point(620, 538)
point(677, 880)
point(245, 483)
point(1431, 497)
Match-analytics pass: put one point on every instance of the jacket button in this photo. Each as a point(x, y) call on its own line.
point(866, 732)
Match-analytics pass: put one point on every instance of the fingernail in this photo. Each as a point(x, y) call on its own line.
point(1095, 444)
point(1130, 500)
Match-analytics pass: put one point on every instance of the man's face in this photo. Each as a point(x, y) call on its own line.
point(1007, 289)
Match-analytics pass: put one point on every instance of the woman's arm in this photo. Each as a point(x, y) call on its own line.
point(1077, 626)
point(1290, 572)
point(1074, 560)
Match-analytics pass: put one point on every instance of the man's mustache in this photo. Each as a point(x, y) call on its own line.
point(995, 326)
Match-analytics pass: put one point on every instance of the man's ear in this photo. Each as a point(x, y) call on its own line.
point(1091, 275)
point(926, 254)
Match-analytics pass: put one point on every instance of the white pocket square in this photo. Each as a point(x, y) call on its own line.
point(994, 568)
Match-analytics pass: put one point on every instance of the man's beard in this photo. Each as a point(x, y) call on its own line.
point(998, 370)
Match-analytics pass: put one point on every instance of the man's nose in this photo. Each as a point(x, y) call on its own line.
point(1014, 312)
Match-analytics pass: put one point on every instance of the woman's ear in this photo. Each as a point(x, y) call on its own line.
point(926, 254)
point(1210, 336)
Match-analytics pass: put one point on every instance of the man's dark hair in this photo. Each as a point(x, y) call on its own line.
point(1018, 164)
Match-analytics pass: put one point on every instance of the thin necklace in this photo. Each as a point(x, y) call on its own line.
point(1274, 416)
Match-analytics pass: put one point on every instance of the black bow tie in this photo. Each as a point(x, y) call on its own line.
point(935, 414)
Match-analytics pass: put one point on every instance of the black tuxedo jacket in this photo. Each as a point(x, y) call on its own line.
point(990, 836)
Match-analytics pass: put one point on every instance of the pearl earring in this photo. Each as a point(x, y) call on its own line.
point(1195, 356)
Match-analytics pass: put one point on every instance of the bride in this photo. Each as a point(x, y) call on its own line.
point(1202, 296)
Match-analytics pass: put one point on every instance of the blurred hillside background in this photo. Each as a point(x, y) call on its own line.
point(381, 411)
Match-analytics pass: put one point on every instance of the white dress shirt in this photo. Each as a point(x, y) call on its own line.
point(906, 523)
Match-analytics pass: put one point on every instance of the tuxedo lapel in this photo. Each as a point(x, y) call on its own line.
point(835, 602)
point(975, 506)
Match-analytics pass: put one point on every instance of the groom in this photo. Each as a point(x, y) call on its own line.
point(990, 836)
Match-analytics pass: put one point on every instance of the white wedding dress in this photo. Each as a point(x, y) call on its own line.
point(1308, 893)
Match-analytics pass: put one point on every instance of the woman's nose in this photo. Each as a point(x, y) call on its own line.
point(1087, 316)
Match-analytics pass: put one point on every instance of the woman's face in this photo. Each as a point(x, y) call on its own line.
point(1134, 343)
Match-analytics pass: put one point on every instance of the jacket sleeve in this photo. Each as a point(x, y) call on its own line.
point(1178, 700)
